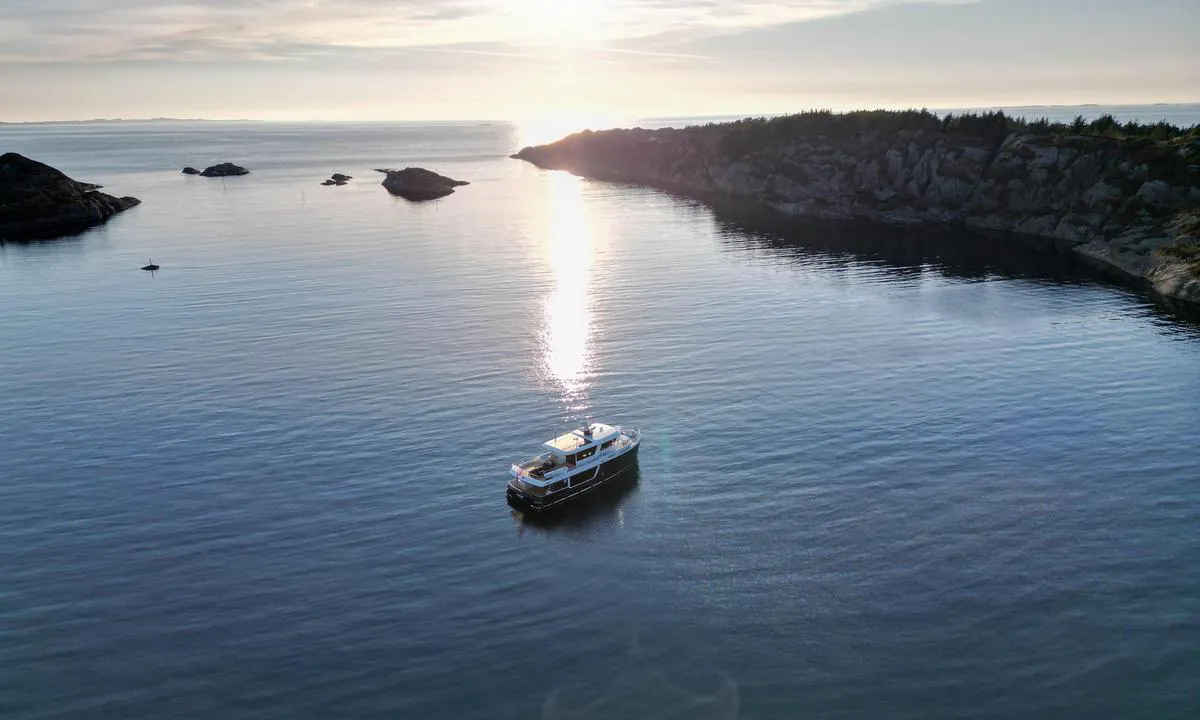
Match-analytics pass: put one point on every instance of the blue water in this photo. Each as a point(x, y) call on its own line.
point(886, 474)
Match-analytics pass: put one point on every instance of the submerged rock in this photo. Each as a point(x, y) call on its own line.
point(224, 170)
point(338, 177)
point(37, 201)
point(189, 170)
point(419, 184)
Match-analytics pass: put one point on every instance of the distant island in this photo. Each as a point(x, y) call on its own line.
point(1124, 195)
point(106, 121)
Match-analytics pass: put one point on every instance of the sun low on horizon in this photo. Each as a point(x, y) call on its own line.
point(543, 128)
point(570, 31)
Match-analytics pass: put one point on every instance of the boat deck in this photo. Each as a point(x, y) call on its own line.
point(539, 467)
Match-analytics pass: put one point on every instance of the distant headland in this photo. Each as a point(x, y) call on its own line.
point(109, 121)
point(1124, 195)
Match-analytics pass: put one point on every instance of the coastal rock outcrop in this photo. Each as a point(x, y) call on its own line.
point(1121, 202)
point(419, 184)
point(337, 179)
point(37, 201)
point(189, 170)
point(224, 170)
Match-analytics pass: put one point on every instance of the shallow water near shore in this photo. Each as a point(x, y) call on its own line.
point(886, 473)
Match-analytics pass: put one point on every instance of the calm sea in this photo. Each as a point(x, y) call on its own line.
point(886, 474)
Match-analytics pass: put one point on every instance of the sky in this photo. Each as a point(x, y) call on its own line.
point(601, 59)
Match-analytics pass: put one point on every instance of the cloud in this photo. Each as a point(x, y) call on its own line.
point(196, 30)
point(391, 59)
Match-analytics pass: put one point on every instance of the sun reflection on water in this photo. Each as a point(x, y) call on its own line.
point(569, 249)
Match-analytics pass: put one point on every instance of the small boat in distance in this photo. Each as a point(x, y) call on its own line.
point(576, 463)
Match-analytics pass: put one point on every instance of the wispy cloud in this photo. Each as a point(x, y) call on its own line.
point(183, 30)
point(651, 53)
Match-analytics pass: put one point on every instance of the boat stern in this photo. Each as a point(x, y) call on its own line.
point(518, 498)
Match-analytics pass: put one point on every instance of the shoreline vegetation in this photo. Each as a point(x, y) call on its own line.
point(990, 127)
point(1125, 195)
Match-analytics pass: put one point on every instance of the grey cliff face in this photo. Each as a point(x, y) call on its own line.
point(37, 201)
point(1113, 201)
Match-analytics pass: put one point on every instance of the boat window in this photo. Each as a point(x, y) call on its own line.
point(608, 444)
point(571, 459)
point(586, 453)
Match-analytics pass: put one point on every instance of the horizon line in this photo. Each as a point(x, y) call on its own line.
point(165, 119)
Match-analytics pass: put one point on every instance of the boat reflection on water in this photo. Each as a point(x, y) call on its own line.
point(600, 507)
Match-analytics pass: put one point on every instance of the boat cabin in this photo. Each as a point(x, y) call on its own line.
point(566, 452)
point(578, 445)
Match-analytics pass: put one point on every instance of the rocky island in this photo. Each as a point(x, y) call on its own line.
point(1126, 196)
point(226, 169)
point(418, 184)
point(37, 201)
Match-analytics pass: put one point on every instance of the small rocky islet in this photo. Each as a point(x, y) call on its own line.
point(1126, 197)
point(412, 183)
point(38, 201)
point(418, 184)
point(226, 169)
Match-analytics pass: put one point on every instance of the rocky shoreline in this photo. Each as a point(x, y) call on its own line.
point(37, 201)
point(1129, 204)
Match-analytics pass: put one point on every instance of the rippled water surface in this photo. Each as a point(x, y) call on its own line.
point(886, 474)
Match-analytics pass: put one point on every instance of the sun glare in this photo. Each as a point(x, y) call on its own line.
point(546, 127)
